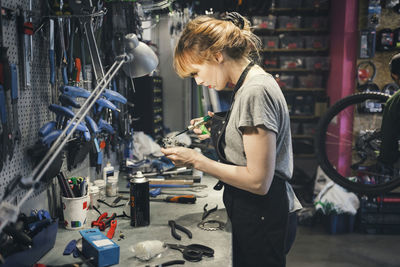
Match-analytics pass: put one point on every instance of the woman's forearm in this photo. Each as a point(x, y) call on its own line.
point(238, 176)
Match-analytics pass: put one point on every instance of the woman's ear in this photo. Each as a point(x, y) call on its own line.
point(219, 57)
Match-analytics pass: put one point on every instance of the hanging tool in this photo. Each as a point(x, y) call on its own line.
point(47, 128)
point(5, 85)
point(71, 60)
point(7, 139)
point(52, 61)
point(62, 44)
point(78, 67)
point(68, 101)
point(74, 91)
point(195, 125)
point(175, 226)
point(16, 132)
point(26, 31)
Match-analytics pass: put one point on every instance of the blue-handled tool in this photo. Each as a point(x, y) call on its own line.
point(74, 91)
point(99, 159)
point(49, 138)
point(114, 96)
point(104, 103)
point(81, 128)
point(62, 110)
point(68, 101)
point(7, 139)
point(105, 126)
point(47, 128)
point(92, 125)
point(155, 192)
point(62, 114)
point(14, 101)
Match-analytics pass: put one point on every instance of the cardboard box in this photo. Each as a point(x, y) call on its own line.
point(104, 251)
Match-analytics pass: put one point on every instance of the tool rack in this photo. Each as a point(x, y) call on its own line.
point(33, 102)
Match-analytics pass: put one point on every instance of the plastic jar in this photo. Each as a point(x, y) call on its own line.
point(112, 186)
point(108, 171)
point(101, 184)
point(94, 194)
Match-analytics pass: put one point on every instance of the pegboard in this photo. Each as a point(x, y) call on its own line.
point(33, 102)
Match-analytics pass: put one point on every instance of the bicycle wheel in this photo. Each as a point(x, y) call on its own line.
point(348, 142)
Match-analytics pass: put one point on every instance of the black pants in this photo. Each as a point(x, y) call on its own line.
point(260, 226)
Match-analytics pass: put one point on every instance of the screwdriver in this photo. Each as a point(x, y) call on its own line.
point(195, 125)
point(184, 199)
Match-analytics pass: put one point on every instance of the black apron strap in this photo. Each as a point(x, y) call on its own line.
point(218, 127)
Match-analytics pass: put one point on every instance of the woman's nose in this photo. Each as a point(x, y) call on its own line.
point(198, 80)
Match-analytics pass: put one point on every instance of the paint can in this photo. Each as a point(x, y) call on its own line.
point(139, 200)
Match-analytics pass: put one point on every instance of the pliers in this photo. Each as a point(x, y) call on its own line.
point(208, 212)
point(175, 226)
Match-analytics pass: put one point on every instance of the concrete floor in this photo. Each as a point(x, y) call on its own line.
point(313, 246)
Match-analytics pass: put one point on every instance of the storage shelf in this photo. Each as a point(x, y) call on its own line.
point(295, 70)
point(289, 90)
point(299, 10)
point(289, 50)
point(282, 30)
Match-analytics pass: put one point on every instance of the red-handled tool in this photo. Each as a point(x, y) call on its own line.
point(78, 67)
point(106, 223)
point(111, 231)
point(100, 219)
point(184, 199)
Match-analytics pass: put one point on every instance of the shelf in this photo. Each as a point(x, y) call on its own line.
point(282, 30)
point(289, 90)
point(294, 50)
point(295, 70)
point(299, 10)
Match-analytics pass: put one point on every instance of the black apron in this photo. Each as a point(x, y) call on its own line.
point(259, 223)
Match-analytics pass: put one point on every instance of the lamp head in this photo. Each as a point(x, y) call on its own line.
point(144, 60)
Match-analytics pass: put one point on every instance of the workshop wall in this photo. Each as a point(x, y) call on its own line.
point(33, 104)
point(177, 91)
point(388, 19)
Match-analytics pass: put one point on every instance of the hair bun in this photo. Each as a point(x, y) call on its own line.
point(235, 18)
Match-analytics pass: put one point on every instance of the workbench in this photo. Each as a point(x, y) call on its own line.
point(187, 215)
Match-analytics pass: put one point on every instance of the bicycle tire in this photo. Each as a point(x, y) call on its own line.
point(321, 143)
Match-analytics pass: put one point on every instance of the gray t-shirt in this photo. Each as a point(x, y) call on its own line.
point(259, 101)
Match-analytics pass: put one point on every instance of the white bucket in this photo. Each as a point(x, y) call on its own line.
point(75, 212)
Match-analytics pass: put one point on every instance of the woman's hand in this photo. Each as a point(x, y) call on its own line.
point(198, 131)
point(181, 156)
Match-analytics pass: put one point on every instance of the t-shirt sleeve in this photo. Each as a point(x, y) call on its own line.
point(257, 107)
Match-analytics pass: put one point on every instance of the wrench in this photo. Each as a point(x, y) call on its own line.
point(14, 101)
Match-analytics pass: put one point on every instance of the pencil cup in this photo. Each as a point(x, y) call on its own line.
point(75, 212)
